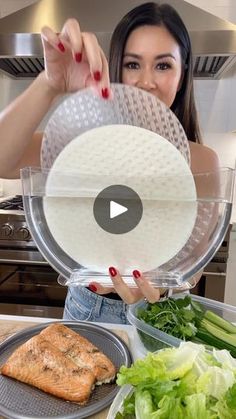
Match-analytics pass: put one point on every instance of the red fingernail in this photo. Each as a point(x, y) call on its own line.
point(97, 75)
point(112, 271)
point(61, 47)
point(105, 93)
point(78, 57)
point(92, 288)
point(136, 274)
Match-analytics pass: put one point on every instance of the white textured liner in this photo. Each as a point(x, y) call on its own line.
point(129, 154)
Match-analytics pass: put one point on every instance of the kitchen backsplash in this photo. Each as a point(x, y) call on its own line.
point(10, 187)
point(216, 103)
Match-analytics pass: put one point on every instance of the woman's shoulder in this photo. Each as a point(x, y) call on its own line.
point(203, 158)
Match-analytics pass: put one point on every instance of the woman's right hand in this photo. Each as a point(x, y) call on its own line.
point(74, 60)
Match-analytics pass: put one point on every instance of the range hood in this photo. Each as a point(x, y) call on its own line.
point(21, 55)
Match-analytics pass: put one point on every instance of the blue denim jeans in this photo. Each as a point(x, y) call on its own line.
point(83, 304)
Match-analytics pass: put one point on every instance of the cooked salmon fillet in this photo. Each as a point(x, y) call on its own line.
point(82, 352)
point(39, 363)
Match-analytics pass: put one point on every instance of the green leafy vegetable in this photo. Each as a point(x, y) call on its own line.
point(196, 407)
point(225, 408)
point(185, 319)
point(171, 316)
point(181, 383)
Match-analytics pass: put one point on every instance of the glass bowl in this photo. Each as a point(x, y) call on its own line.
point(212, 220)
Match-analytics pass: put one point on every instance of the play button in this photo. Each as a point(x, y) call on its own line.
point(118, 209)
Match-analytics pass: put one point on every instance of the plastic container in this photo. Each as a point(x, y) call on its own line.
point(152, 339)
point(118, 401)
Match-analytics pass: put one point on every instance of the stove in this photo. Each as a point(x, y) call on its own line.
point(28, 284)
point(12, 203)
point(16, 243)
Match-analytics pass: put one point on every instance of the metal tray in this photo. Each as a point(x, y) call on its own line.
point(22, 401)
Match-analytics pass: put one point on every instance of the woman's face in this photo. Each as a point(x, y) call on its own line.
point(152, 62)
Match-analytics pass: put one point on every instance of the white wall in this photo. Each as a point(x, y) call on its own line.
point(10, 89)
point(216, 102)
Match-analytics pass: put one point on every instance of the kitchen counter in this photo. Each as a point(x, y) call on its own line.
point(12, 324)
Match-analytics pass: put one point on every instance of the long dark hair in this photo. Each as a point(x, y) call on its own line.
point(161, 15)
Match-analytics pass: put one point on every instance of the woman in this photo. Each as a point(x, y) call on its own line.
point(150, 49)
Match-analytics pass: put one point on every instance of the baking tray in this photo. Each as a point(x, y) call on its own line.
point(22, 401)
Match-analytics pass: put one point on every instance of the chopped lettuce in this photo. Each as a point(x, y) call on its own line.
point(225, 359)
point(178, 361)
point(144, 370)
point(215, 382)
point(196, 407)
point(226, 406)
point(168, 408)
point(181, 383)
point(143, 404)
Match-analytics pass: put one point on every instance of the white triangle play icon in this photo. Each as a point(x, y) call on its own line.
point(116, 209)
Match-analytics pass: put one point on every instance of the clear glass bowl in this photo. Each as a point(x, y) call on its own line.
point(214, 204)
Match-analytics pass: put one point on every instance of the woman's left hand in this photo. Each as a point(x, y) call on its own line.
point(128, 294)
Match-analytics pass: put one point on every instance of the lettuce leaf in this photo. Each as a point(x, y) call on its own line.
point(143, 404)
point(225, 359)
point(226, 406)
point(169, 408)
point(144, 370)
point(179, 361)
point(181, 383)
point(215, 382)
point(196, 407)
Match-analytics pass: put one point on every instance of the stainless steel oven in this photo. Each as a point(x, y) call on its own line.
point(28, 284)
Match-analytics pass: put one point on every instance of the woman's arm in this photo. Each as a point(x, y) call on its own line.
point(19, 144)
point(203, 158)
point(73, 60)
